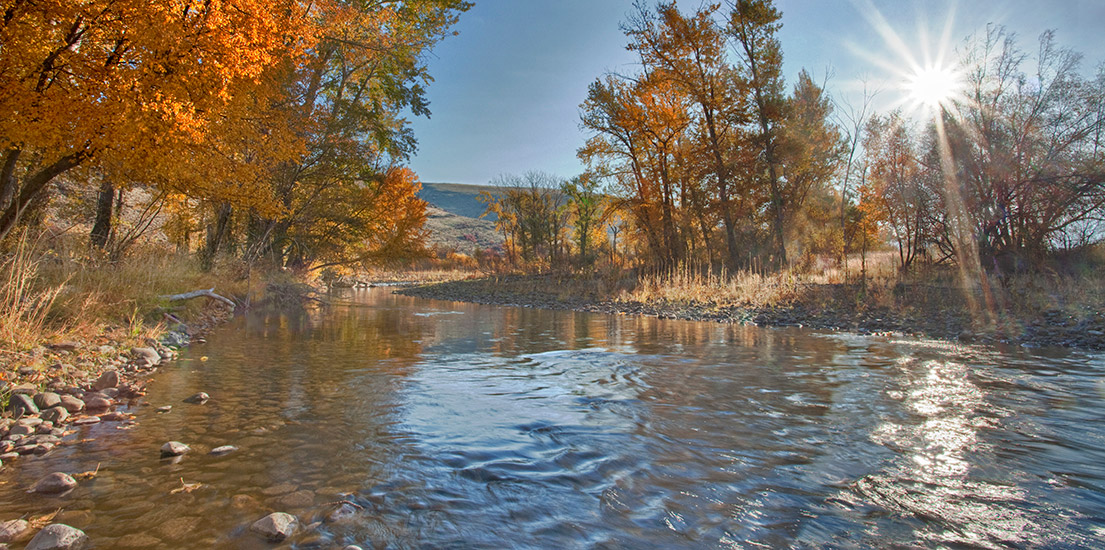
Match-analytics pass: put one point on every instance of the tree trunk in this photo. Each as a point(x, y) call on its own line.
point(216, 235)
point(33, 187)
point(101, 229)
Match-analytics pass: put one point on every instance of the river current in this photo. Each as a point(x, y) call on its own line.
point(449, 425)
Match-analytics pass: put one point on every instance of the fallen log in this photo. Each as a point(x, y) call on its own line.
point(209, 293)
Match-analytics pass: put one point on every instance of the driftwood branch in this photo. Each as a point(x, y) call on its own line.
point(209, 293)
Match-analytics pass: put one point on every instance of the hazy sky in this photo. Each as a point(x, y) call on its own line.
point(507, 90)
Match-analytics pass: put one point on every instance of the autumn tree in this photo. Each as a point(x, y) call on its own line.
point(689, 51)
point(810, 154)
point(137, 85)
point(753, 25)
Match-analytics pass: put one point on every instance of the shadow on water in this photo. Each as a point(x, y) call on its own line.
point(460, 425)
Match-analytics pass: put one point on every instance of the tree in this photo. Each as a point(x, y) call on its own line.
point(753, 24)
point(132, 84)
point(586, 205)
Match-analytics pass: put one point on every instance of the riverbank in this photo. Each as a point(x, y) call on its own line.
point(1071, 316)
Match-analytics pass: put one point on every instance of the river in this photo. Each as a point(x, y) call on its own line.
point(453, 425)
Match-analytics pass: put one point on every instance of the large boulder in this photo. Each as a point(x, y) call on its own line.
point(109, 379)
point(146, 357)
point(72, 404)
point(45, 400)
point(59, 536)
point(55, 415)
point(275, 527)
point(21, 404)
point(55, 483)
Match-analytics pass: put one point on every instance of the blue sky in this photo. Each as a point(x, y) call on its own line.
point(507, 90)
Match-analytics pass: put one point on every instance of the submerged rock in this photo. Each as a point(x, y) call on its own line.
point(174, 448)
point(275, 527)
point(223, 450)
point(13, 530)
point(59, 536)
point(55, 483)
point(197, 399)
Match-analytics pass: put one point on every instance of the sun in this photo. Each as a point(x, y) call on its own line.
point(932, 87)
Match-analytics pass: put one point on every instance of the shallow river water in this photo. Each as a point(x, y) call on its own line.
point(464, 426)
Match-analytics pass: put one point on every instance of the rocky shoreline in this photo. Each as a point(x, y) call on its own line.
point(60, 386)
point(1053, 328)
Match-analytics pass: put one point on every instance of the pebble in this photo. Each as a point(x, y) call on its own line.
point(225, 449)
point(86, 420)
point(46, 399)
point(165, 409)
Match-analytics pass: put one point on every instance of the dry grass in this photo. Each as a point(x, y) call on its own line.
point(61, 292)
point(24, 305)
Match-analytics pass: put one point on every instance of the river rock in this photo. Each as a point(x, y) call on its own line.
point(21, 430)
point(164, 409)
point(224, 450)
point(46, 399)
point(174, 338)
point(146, 357)
point(97, 404)
point(25, 388)
point(197, 399)
point(65, 345)
point(86, 421)
point(352, 547)
point(13, 530)
point(59, 536)
point(341, 513)
point(275, 527)
point(72, 404)
point(109, 379)
point(21, 404)
point(174, 448)
point(55, 483)
point(56, 415)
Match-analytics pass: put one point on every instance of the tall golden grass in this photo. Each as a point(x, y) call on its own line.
point(24, 306)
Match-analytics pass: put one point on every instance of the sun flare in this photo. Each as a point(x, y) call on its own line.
point(932, 87)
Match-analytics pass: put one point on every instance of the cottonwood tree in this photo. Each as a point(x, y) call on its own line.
point(143, 86)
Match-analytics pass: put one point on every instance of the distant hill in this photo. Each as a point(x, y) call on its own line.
point(453, 218)
point(457, 198)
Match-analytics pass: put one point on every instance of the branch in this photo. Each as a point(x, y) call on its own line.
point(209, 293)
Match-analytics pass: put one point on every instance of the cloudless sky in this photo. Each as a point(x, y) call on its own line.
point(507, 89)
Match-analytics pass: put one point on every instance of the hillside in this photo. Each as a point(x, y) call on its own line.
point(453, 218)
point(457, 198)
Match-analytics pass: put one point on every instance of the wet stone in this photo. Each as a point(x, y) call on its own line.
point(223, 450)
point(275, 527)
point(279, 489)
point(21, 404)
point(86, 420)
point(174, 448)
point(197, 399)
point(13, 530)
point(59, 536)
point(55, 483)
point(298, 499)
